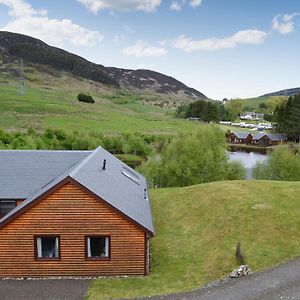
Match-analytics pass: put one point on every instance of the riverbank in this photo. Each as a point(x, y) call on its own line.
point(250, 148)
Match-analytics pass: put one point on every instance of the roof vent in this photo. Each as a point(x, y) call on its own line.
point(104, 164)
point(145, 194)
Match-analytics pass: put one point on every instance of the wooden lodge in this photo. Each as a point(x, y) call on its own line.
point(272, 140)
point(258, 139)
point(72, 214)
point(240, 138)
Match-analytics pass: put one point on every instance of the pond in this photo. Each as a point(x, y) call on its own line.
point(248, 160)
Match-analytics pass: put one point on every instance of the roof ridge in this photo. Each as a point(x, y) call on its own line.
point(44, 151)
point(83, 162)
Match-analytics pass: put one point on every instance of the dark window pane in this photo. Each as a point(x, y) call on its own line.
point(6, 206)
point(98, 246)
point(47, 247)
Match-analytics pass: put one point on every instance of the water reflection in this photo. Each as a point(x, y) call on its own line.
point(248, 160)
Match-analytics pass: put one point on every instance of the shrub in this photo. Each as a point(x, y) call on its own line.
point(283, 165)
point(193, 158)
point(85, 98)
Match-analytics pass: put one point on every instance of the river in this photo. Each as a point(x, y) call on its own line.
point(248, 160)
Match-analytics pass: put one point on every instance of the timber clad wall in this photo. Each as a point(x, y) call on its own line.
point(72, 214)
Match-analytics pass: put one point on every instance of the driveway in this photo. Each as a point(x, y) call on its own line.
point(282, 282)
point(43, 289)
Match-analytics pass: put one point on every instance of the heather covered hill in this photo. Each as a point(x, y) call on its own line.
point(287, 92)
point(37, 52)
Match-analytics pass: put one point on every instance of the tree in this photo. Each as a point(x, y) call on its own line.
point(234, 108)
point(283, 164)
point(263, 106)
point(273, 102)
point(85, 98)
point(190, 159)
point(268, 117)
point(181, 111)
point(206, 111)
point(287, 118)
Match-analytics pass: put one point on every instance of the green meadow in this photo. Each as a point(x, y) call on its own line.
point(198, 227)
point(54, 104)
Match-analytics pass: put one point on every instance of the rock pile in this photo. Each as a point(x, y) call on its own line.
point(242, 270)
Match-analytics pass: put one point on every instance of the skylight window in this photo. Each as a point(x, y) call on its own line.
point(131, 175)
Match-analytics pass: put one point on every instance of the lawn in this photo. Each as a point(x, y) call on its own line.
point(197, 229)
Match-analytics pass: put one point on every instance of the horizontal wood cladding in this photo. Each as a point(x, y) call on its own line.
point(72, 214)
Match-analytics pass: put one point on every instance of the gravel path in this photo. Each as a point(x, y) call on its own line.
point(282, 282)
point(43, 289)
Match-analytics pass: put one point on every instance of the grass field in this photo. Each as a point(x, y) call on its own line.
point(197, 229)
point(50, 100)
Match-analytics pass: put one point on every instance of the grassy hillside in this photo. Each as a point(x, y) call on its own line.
point(50, 101)
point(253, 104)
point(197, 231)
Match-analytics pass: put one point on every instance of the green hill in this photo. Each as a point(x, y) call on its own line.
point(50, 100)
point(197, 229)
point(126, 100)
point(286, 92)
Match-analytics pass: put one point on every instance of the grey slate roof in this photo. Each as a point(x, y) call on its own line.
point(277, 137)
point(23, 172)
point(271, 136)
point(258, 136)
point(241, 135)
point(118, 185)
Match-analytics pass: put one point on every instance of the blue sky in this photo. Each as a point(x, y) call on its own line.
point(223, 48)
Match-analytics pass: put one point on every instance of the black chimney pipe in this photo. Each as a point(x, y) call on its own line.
point(104, 164)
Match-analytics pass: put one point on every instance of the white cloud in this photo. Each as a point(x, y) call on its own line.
point(284, 23)
point(210, 44)
point(144, 5)
point(54, 31)
point(175, 6)
point(142, 49)
point(36, 23)
point(19, 8)
point(195, 3)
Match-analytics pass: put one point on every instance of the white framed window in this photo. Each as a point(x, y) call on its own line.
point(47, 247)
point(97, 247)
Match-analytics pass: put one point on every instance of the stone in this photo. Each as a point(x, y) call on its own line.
point(241, 271)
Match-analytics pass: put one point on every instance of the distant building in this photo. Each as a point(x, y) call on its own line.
point(272, 140)
point(252, 116)
point(240, 138)
point(259, 139)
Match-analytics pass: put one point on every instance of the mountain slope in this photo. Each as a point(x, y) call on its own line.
point(287, 92)
point(147, 80)
point(35, 51)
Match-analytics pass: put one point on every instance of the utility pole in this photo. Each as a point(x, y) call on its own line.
point(22, 77)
